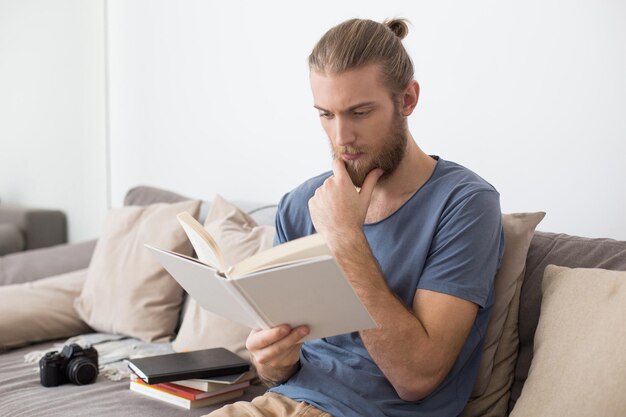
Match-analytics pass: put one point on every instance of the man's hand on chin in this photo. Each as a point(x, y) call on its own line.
point(337, 207)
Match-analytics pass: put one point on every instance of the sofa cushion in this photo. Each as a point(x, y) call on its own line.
point(495, 375)
point(34, 264)
point(22, 394)
point(579, 366)
point(557, 249)
point(41, 310)
point(239, 237)
point(144, 195)
point(126, 290)
point(264, 215)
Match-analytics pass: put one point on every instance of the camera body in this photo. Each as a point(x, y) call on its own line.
point(73, 364)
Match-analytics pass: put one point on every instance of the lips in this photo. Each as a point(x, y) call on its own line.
point(351, 156)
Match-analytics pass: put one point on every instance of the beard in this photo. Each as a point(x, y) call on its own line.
point(387, 157)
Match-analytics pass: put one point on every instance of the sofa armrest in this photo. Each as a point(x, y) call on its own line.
point(40, 227)
point(34, 264)
point(11, 239)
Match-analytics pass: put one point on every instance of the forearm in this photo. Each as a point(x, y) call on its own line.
point(400, 345)
point(403, 350)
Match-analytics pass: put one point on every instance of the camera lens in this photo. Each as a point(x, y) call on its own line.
point(81, 371)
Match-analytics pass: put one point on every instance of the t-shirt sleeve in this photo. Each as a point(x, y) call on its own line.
point(280, 236)
point(292, 216)
point(293, 219)
point(466, 250)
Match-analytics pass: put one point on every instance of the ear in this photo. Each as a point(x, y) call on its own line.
point(410, 96)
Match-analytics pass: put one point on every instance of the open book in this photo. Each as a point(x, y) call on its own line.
point(295, 283)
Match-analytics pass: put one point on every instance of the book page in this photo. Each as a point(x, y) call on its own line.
point(295, 250)
point(203, 243)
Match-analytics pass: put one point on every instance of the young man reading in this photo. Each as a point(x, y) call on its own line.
point(419, 238)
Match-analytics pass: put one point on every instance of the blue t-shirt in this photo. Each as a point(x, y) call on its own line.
point(447, 238)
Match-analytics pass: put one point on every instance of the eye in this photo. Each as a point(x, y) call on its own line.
point(361, 113)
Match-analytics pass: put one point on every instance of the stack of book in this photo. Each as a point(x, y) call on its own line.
point(194, 393)
point(191, 379)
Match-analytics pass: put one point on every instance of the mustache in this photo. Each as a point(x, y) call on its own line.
point(340, 150)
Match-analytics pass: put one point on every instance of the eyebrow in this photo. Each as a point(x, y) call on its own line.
point(349, 109)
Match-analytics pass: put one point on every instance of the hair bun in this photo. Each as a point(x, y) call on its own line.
point(399, 27)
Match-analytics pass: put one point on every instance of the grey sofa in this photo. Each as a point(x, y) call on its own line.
point(22, 395)
point(27, 228)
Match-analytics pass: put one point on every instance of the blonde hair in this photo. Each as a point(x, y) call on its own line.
point(359, 42)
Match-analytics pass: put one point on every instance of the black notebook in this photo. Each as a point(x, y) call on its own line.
point(205, 363)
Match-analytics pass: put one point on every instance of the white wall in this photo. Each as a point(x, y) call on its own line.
point(213, 97)
point(52, 147)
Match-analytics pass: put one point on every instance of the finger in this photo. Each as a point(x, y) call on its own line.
point(339, 169)
point(294, 337)
point(288, 342)
point(303, 330)
point(370, 182)
point(282, 347)
point(260, 339)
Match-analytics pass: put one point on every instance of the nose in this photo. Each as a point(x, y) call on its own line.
point(344, 132)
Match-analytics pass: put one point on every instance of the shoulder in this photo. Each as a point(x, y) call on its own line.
point(292, 218)
point(454, 187)
point(461, 205)
point(300, 195)
point(458, 181)
point(467, 236)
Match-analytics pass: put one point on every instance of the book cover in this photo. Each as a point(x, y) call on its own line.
point(209, 384)
point(152, 392)
point(192, 393)
point(196, 394)
point(204, 363)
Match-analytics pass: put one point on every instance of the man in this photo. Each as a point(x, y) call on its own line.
point(418, 237)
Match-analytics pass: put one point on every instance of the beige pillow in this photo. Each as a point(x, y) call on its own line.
point(126, 290)
point(239, 237)
point(41, 310)
point(579, 360)
point(494, 402)
point(518, 232)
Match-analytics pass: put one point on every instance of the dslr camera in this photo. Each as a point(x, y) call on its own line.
point(74, 364)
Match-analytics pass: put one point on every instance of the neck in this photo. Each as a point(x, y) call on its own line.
point(412, 172)
point(392, 192)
